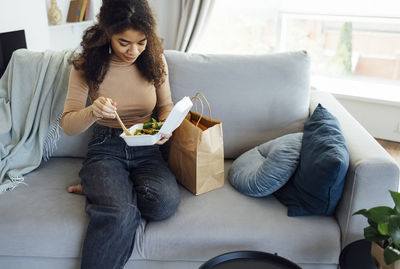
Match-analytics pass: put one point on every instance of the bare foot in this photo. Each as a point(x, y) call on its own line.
point(77, 189)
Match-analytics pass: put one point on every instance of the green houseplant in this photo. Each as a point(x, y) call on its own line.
point(384, 230)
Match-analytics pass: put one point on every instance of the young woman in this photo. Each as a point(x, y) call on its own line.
point(121, 67)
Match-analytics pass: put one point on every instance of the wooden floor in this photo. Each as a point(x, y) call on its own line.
point(392, 147)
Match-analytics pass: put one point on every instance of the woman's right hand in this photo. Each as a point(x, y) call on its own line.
point(104, 108)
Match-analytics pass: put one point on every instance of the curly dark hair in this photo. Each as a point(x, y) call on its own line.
point(117, 16)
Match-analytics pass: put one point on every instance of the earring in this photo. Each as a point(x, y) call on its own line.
point(109, 49)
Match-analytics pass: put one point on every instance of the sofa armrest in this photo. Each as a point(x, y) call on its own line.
point(372, 171)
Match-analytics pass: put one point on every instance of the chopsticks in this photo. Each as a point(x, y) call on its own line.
point(126, 131)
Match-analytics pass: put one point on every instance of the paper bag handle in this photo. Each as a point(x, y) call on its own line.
point(202, 107)
point(205, 99)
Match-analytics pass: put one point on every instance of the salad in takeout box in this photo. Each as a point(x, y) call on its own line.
point(145, 134)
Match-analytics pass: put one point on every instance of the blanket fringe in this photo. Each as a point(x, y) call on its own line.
point(50, 143)
point(12, 183)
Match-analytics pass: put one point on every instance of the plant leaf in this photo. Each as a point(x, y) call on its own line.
point(373, 224)
point(396, 199)
point(391, 255)
point(383, 228)
point(394, 228)
point(380, 213)
point(363, 212)
point(372, 234)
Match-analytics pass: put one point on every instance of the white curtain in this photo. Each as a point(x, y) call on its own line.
point(192, 18)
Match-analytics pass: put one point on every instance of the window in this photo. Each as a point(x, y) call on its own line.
point(359, 48)
point(343, 45)
point(240, 27)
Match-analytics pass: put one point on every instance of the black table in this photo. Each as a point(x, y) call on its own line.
point(249, 259)
point(357, 255)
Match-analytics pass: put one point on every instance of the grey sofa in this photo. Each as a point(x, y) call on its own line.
point(257, 98)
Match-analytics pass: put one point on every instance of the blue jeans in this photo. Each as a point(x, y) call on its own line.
point(122, 184)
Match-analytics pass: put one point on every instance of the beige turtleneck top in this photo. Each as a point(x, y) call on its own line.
point(124, 84)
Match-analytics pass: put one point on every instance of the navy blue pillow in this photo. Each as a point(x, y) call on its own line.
point(267, 167)
point(317, 184)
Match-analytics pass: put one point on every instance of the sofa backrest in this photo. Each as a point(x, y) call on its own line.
point(72, 146)
point(257, 97)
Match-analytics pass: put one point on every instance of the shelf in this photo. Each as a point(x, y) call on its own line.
point(72, 24)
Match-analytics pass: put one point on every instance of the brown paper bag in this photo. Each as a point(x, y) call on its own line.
point(197, 154)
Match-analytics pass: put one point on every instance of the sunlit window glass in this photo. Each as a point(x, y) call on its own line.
point(346, 46)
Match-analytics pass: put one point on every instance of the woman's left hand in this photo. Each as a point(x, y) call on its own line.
point(164, 139)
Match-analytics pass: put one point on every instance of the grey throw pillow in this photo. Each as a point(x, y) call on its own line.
point(266, 168)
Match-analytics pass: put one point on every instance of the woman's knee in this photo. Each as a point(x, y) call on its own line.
point(164, 209)
point(168, 202)
point(159, 204)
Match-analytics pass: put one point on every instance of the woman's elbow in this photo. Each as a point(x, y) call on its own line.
point(64, 127)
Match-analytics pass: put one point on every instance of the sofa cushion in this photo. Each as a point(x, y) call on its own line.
point(42, 219)
point(266, 168)
point(318, 183)
point(223, 220)
point(257, 97)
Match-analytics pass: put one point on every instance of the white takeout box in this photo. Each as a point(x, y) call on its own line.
point(172, 122)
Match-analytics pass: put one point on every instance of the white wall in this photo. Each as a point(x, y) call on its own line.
point(380, 119)
point(32, 17)
point(28, 15)
point(69, 35)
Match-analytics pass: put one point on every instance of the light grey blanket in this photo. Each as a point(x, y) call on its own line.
point(32, 96)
